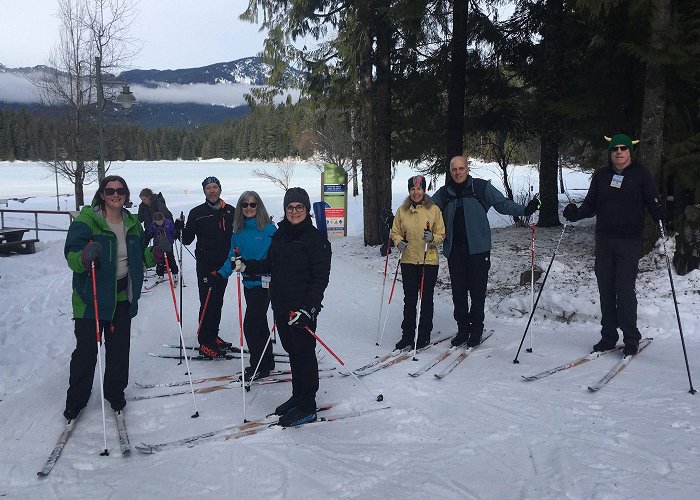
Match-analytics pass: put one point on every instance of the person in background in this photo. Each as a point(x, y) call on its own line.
point(163, 233)
point(106, 235)
point(299, 264)
point(150, 204)
point(464, 202)
point(252, 235)
point(618, 195)
point(212, 224)
point(417, 230)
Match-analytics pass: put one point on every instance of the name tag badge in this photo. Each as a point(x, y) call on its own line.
point(266, 278)
point(432, 253)
point(617, 181)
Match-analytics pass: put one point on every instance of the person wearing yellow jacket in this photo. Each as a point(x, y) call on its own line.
point(417, 231)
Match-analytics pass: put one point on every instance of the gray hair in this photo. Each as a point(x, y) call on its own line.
point(262, 218)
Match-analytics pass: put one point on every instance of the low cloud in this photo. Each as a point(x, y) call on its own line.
point(17, 88)
point(197, 93)
point(14, 88)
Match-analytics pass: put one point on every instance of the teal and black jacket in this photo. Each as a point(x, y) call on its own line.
point(90, 225)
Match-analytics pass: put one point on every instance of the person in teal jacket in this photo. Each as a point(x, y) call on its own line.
point(107, 235)
point(252, 234)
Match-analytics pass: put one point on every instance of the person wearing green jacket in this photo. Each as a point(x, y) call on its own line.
point(107, 235)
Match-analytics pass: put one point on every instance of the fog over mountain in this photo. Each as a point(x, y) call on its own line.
point(166, 97)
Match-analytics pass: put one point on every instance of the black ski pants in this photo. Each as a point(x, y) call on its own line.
point(116, 334)
point(411, 276)
point(255, 327)
point(212, 316)
point(301, 347)
point(616, 269)
point(469, 275)
point(161, 269)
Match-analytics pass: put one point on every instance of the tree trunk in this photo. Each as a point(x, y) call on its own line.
point(457, 81)
point(653, 110)
point(79, 179)
point(549, 131)
point(375, 117)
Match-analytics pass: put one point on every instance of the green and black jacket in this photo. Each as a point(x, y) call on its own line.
point(90, 225)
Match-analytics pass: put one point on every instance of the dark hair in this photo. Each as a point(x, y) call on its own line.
point(97, 199)
point(147, 192)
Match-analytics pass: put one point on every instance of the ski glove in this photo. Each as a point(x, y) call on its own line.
point(238, 265)
point(302, 318)
point(571, 212)
point(427, 235)
point(402, 245)
point(164, 245)
point(214, 280)
point(91, 253)
point(532, 207)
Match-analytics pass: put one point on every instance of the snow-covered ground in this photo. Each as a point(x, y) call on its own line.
point(482, 432)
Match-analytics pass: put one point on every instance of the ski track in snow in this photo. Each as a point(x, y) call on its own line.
point(481, 432)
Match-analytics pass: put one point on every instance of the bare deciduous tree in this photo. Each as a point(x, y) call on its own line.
point(282, 177)
point(88, 29)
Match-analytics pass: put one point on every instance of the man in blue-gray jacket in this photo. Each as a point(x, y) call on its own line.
point(464, 202)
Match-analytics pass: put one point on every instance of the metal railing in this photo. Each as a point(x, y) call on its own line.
point(71, 215)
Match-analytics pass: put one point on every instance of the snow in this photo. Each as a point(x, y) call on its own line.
point(482, 432)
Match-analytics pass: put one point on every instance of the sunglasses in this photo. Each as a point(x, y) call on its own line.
point(295, 208)
point(119, 191)
point(620, 148)
point(251, 205)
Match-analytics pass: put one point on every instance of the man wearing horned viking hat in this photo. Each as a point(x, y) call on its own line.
point(618, 195)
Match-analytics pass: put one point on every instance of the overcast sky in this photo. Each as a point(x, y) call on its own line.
point(174, 33)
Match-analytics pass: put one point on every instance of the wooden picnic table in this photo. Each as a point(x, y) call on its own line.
point(12, 240)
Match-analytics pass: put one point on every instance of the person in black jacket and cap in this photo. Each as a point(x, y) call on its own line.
point(212, 224)
point(299, 262)
point(618, 195)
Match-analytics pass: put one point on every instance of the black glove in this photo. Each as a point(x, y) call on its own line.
point(427, 235)
point(164, 245)
point(532, 207)
point(402, 245)
point(91, 253)
point(571, 212)
point(302, 318)
point(179, 225)
point(214, 280)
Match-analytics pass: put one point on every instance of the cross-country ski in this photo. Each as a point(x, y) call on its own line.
point(619, 366)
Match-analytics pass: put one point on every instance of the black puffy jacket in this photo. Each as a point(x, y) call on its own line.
point(299, 262)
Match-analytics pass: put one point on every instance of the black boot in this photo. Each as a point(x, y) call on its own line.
point(404, 343)
point(286, 407)
point(474, 339)
point(460, 338)
point(297, 416)
point(423, 341)
point(631, 348)
point(604, 345)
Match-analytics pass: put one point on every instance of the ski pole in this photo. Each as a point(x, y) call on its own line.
point(379, 398)
point(532, 281)
point(391, 295)
point(257, 366)
point(540, 292)
point(420, 297)
point(99, 355)
point(381, 301)
point(180, 284)
point(182, 339)
point(240, 325)
point(204, 310)
point(675, 303)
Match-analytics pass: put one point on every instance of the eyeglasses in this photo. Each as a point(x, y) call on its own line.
point(295, 208)
point(620, 148)
point(119, 191)
point(251, 205)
